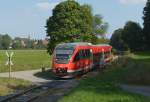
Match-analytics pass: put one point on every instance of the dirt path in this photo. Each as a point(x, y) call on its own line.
point(26, 75)
point(143, 90)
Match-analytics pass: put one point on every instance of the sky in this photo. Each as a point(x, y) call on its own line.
point(21, 18)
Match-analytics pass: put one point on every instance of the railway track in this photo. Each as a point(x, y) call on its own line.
point(33, 93)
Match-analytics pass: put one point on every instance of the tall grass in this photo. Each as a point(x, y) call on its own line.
point(8, 86)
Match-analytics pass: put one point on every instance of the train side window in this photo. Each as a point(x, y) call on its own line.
point(106, 54)
point(100, 55)
point(81, 53)
point(89, 53)
point(84, 54)
point(77, 57)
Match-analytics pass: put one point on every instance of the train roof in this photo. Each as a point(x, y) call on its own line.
point(76, 43)
point(102, 45)
point(72, 45)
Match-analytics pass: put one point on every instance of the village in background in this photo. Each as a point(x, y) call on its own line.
point(22, 42)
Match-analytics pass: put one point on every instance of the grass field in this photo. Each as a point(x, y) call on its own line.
point(141, 57)
point(105, 87)
point(25, 60)
point(8, 86)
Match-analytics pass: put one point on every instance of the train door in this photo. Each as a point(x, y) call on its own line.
point(91, 59)
point(79, 62)
point(96, 59)
point(82, 59)
point(87, 59)
point(102, 58)
point(108, 56)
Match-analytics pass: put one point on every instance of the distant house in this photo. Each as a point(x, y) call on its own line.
point(45, 41)
point(35, 42)
point(23, 43)
point(31, 43)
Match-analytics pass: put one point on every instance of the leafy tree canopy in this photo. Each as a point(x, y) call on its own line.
point(133, 36)
point(117, 42)
point(70, 22)
point(128, 38)
point(146, 24)
point(5, 41)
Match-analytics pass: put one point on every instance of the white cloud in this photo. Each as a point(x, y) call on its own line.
point(132, 1)
point(46, 5)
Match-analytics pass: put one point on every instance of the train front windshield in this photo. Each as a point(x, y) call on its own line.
point(63, 56)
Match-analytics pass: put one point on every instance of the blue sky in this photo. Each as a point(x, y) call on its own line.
point(24, 17)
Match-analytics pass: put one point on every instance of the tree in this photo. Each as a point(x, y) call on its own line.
point(87, 22)
point(132, 36)
point(16, 45)
point(69, 22)
point(146, 24)
point(1, 42)
point(117, 42)
point(39, 44)
point(5, 41)
point(99, 26)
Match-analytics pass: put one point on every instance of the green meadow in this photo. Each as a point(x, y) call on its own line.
point(132, 70)
point(25, 60)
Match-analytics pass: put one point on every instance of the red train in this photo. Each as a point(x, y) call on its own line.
point(71, 59)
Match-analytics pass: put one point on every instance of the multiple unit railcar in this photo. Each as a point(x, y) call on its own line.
point(71, 59)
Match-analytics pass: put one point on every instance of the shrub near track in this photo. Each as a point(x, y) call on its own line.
point(25, 60)
point(105, 86)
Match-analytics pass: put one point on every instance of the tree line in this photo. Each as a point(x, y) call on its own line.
point(132, 36)
point(72, 22)
point(7, 42)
